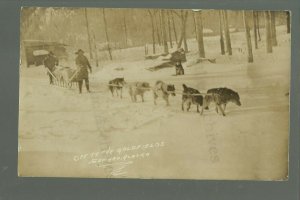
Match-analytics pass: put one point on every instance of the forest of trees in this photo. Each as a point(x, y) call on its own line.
point(107, 29)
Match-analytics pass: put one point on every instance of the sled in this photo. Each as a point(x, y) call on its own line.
point(64, 76)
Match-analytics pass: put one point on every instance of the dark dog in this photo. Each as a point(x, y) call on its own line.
point(213, 98)
point(164, 90)
point(138, 88)
point(116, 84)
point(188, 98)
point(179, 69)
point(226, 95)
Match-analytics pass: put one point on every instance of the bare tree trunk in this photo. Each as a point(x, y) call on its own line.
point(255, 29)
point(125, 29)
point(153, 31)
point(181, 34)
point(163, 22)
point(221, 34)
point(258, 25)
point(273, 28)
point(195, 25)
point(160, 27)
point(88, 33)
point(106, 34)
point(186, 49)
point(288, 22)
point(180, 41)
point(199, 32)
point(268, 32)
point(157, 31)
point(227, 33)
point(174, 28)
point(146, 49)
point(248, 36)
point(96, 50)
point(169, 28)
point(183, 18)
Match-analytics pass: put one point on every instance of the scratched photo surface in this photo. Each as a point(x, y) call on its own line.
point(154, 93)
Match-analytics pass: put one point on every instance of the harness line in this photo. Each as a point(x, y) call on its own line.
point(144, 88)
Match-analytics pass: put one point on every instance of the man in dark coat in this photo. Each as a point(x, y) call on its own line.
point(83, 65)
point(50, 62)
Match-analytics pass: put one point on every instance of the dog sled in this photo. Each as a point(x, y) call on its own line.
point(64, 76)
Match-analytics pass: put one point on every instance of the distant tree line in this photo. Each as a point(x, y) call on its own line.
point(106, 29)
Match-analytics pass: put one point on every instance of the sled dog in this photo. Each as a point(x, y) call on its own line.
point(162, 89)
point(221, 96)
point(116, 84)
point(138, 88)
point(188, 98)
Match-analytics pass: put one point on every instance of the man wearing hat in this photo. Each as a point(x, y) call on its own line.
point(83, 65)
point(50, 62)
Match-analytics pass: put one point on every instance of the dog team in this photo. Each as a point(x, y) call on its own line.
point(218, 96)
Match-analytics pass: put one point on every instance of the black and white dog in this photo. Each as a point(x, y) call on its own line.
point(164, 90)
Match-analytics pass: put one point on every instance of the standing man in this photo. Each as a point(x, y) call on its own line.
point(83, 65)
point(50, 62)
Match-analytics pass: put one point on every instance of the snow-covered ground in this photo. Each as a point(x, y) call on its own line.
point(61, 131)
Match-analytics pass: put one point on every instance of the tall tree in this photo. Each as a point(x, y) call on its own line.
point(125, 28)
point(183, 17)
point(157, 30)
point(221, 33)
point(199, 32)
point(164, 32)
point(195, 25)
point(153, 30)
point(174, 27)
point(106, 34)
point(160, 27)
point(258, 25)
point(95, 48)
point(268, 31)
point(255, 28)
point(227, 33)
point(248, 36)
point(169, 29)
point(273, 28)
point(288, 21)
point(88, 32)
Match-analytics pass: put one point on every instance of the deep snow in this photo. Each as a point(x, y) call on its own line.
point(251, 142)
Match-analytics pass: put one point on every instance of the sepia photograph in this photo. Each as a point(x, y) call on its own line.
point(142, 93)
